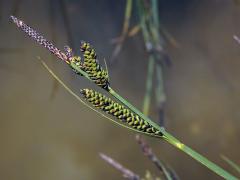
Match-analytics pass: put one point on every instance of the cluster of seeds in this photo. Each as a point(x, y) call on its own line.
point(92, 67)
point(89, 64)
point(120, 112)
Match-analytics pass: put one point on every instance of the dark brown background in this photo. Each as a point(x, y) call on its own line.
point(46, 134)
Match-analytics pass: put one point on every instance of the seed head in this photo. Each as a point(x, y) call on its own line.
point(92, 67)
point(122, 113)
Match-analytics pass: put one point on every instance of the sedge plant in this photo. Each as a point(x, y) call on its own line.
point(120, 110)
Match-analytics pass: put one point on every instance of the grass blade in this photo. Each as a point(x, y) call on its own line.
point(231, 163)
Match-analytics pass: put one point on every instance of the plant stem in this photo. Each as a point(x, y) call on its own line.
point(148, 91)
point(147, 151)
point(155, 13)
point(160, 94)
point(128, 12)
point(175, 142)
point(195, 155)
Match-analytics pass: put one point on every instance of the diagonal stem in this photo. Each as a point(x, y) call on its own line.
point(176, 143)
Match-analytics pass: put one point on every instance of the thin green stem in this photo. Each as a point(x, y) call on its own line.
point(159, 91)
point(160, 94)
point(143, 17)
point(195, 155)
point(128, 12)
point(155, 13)
point(149, 83)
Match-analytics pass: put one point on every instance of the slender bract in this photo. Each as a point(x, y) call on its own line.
point(231, 163)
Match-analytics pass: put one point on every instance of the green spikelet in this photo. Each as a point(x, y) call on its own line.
point(77, 61)
point(89, 65)
point(92, 67)
point(120, 112)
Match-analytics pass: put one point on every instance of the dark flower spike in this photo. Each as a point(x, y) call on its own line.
point(92, 67)
point(120, 112)
point(39, 38)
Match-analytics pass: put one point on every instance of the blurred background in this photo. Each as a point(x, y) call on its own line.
point(47, 134)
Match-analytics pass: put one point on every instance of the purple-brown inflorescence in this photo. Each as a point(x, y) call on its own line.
point(89, 64)
point(39, 38)
point(68, 52)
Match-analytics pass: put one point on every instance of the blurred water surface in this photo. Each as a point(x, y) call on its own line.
point(46, 134)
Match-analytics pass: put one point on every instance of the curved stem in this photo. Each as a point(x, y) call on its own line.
point(175, 142)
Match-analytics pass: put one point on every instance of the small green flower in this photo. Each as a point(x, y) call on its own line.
point(119, 111)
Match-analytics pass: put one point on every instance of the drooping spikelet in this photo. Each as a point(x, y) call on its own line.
point(39, 38)
point(92, 67)
point(120, 112)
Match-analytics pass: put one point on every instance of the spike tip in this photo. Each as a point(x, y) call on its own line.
point(39, 38)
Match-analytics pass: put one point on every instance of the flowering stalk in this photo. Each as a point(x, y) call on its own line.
point(79, 67)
